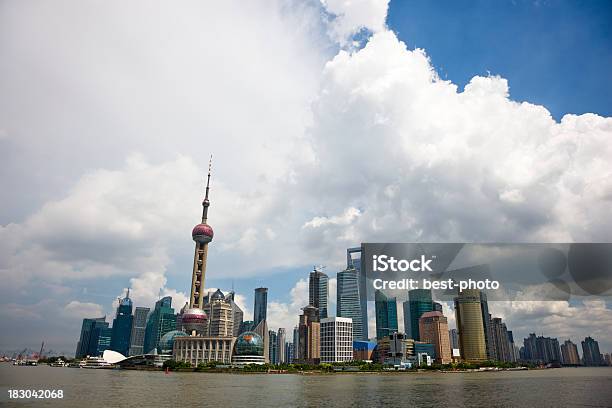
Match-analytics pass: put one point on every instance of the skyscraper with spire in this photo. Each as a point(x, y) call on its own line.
point(122, 326)
point(202, 234)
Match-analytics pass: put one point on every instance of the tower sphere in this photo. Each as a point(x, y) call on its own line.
point(202, 233)
point(194, 319)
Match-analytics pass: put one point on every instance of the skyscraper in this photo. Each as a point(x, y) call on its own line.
point(139, 325)
point(220, 315)
point(419, 302)
point(237, 312)
point(486, 323)
point(202, 234)
point(296, 344)
point(590, 352)
point(348, 301)
point(246, 325)
point(569, 353)
point(541, 349)
point(122, 326)
point(161, 321)
point(282, 350)
point(262, 330)
point(336, 340)
point(433, 329)
point(289, 351)
point(468, 315)
point(318, 289)
point(260, 311)
point(309, 342)
point(454, 338)
point(353, 261)
point(89, 339)
point(386, 315)
point(500, 340)
point(273, 347)
point(101, 339)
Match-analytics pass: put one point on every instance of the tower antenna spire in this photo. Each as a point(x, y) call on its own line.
point(206, 202)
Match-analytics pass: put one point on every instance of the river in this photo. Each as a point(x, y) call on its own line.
point(576, 387)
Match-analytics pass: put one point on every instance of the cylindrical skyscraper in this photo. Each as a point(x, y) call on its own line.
point(468, 312)
point(202, 234)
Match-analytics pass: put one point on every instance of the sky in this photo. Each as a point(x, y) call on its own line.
point(330, 123)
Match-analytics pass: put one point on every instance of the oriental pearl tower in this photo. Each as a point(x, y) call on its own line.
point(193, 319)
point(202, 234)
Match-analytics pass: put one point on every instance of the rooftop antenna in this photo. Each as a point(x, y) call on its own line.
point(206, 202)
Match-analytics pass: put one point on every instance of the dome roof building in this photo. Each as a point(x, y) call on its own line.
point(218, 295)
point(248, 349)
point(166, 343)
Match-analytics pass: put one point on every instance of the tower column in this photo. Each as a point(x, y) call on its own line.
point(202, 234)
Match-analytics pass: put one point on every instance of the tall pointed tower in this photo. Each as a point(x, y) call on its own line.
point(202, 235)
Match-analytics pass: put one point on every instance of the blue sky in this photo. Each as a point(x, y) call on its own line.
point(554, 53)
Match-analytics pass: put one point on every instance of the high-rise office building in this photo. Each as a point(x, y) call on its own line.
point(289, 351)
point(220, 315)
point(161, 321)
point(433, 329)
point(102, 338)
point(296, 344)
point(273, 347)
point(569, 353)
point(454, 338)
point(262, 330)
point(591, 355)
point(260, 311)
point(238, 314)
point(89, 338)
point(486, 323)
point(353, 261)
point(468, 315)
point(419, 302)
point(318, 289)
point(500, 339)
point(386, 315)
point(122, 326)
point(336, 340)
point(309, 341)
point(246, 325)
point(139, 325)
point(513, 347)
point(281, 341)
point(407, 321)
point(348, 301)
point(541, 349)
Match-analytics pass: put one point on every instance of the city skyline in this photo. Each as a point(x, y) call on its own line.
point(340, 131)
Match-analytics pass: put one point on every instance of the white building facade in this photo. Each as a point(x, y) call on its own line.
point(336, 339)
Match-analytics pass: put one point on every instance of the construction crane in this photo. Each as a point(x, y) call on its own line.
point(40, 353)
point(22, 353)
point(319, 268)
